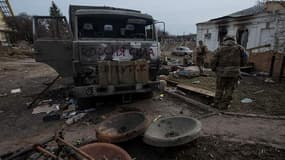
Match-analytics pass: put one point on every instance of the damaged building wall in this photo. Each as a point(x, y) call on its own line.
point(280, 32)
point(261, 31)
point(208, 33)
point(267, 27)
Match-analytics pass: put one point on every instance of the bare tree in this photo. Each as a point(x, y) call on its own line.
point(21, 26)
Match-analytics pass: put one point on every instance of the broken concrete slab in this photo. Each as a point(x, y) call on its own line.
point(75, 118)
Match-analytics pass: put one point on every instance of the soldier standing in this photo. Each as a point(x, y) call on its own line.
point(226, 63)
point(201, 51)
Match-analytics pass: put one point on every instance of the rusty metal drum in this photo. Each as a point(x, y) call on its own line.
point(102, 151)
point(121, 127)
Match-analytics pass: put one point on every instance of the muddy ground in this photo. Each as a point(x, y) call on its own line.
point(268, 98)
point(233, 140)
point(205, 148)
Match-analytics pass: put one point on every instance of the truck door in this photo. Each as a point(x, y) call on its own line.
point(53, 43)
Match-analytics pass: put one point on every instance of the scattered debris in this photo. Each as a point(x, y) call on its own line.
point(35, 100)
point(53, 116)
point(3, 95)
point(246, 100)
point(88, 110)
point(188, 73)
point(162, 85)
point(75, 118)
point(163, 77)
point(70, 108)
point(161, 96)
point(16, 91)
point(245, 74)
point(157, 118)
point(258, 92)
point(164, 70)
point(157, 97)
point(45, 108)
point(45, 101)
point(269, 80)
point(196, 82)
point(211, 156)
point(262, 74)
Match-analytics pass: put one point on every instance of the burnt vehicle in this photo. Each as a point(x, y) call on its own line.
point(105, 50)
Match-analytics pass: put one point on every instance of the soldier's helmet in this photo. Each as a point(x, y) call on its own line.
point(229, 38)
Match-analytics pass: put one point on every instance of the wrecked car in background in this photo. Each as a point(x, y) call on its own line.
point(105, 50)
point(182, 51)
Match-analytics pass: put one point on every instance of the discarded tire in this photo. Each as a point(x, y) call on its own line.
point(121, 127)
point(173, 131)
point(105, 151)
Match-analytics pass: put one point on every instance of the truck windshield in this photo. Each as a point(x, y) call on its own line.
point(115, 26)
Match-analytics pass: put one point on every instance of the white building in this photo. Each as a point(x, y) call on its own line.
point(263, 24)
point(4, 30)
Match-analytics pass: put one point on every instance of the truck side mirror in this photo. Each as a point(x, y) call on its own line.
point(158, 22)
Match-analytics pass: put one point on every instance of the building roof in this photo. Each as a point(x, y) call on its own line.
point(257, 9)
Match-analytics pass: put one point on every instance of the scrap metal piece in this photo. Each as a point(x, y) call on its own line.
point(35, 100)
point(88, 157)
point(122, 127)
point(105, 151)
point(46, 152)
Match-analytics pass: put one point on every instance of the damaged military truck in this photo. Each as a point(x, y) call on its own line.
point(105, 50)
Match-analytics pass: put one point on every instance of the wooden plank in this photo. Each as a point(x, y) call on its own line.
point(258, 47)
point(202, 106)
point(253, 115)
point(197, 90)
point(171, 82)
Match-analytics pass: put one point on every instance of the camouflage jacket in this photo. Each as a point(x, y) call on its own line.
point(228, 59)
point(201, 51)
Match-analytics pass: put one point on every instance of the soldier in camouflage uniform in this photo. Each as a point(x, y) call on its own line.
point(201, 51)
point(226, 63)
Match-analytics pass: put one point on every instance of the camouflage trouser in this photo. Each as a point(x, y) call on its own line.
point(200, 64)
point(225, 87)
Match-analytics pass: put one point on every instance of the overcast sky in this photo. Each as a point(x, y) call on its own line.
point(180, 16)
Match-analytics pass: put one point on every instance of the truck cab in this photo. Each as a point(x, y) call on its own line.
point(105, 50)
